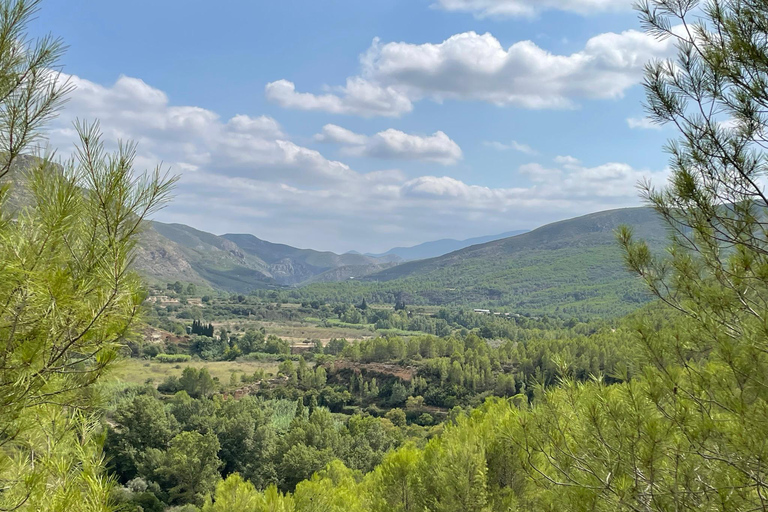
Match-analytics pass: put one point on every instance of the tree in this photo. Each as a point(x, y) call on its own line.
point(396, 416)
point(236, 494)
point(336, 346)
point(715, 206)
point(453, 472)
point(190, 467)
point(67, 292)
point(333, 489)
point(395, 482)
point(197, 383)
point(399, 393)
point(139, 424)
point(688, 433)
point(300, 462)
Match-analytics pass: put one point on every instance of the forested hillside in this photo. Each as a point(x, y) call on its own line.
point(572, 267)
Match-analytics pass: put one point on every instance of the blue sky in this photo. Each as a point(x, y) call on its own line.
point(345, 125)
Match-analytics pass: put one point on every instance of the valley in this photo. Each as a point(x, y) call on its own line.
point(570, 268)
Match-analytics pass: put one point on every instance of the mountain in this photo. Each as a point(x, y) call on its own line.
point(175, 252)
point(239, 263)
point(289, 265)
point(441, 247)
point(572, 267)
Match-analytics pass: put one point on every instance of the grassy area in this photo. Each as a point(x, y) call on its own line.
point(314, 330)
point(138, 371)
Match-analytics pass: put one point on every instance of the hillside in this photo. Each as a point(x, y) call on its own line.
point(289, 265)
point(440, 247)
point(572, 267)
point(175, 252)
point(239, 263)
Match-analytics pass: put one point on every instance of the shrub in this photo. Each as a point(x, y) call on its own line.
point(173, 358)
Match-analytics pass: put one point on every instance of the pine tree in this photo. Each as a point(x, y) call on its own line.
point(69, 295)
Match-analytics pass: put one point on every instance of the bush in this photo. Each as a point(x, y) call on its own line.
point(425, 419)
point(170, 385)
point(173, 358)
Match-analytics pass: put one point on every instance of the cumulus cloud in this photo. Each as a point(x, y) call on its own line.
point(244, 174)
point(394, 144)
point(642, 123)
point(529, 8)
point(513, 145)
point(608, 185)
point(359, 97)
point(476, 67)
point(567, 160)
point(472, 66)
point(191, 138)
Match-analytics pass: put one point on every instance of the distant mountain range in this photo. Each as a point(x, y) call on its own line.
point(441, 247)
point(571, 267)
point(240, 263)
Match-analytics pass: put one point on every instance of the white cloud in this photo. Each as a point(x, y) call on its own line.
point(476, 67)
point(513, 145)
point(394, 144)
point(528, 8)
point(567, 160)
point(359, 97)
point(333, 133)
point(642, 123)
point(187, 137)
point(473, 66)
point(243, 174)
point(608, 184)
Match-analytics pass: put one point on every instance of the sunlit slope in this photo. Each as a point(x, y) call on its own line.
point(569, 267)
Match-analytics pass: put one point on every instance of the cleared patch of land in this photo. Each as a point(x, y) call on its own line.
point(139, 371)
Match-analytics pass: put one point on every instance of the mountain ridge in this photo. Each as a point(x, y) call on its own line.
point(570, 267)
point(443, 246)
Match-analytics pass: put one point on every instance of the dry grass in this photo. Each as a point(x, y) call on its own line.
point(138, 371)
point(300, 331)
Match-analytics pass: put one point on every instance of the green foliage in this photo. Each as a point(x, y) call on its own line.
point(569, 268)
point(683, 425)
point(236, 494)
point(196, 382)
point(69, 298)
point(173, 358)
point(189, 468)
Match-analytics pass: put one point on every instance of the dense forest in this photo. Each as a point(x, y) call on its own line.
point(438, 410)
point(352, 402)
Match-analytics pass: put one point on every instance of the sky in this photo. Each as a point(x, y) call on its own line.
point(363, 125)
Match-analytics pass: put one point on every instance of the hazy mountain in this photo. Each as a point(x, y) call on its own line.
point(441, 247)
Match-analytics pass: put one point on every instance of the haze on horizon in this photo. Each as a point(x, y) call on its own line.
point(363, 127)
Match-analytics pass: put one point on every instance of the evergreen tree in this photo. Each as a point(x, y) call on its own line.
point(69, 297)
